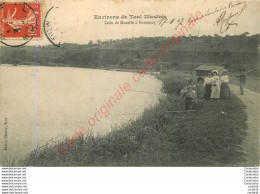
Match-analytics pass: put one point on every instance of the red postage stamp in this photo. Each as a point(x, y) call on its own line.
point(20, 20)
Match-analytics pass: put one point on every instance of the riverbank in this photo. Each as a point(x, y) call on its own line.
point(165, 135)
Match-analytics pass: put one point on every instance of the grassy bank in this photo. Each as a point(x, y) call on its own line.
point(210, 136)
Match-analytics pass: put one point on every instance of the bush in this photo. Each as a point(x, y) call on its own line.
point(172, 84)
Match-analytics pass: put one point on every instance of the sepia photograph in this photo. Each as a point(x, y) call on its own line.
point(132, 83)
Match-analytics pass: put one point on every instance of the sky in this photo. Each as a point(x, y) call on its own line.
point(72, 21)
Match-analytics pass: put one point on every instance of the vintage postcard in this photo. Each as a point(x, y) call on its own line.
point(129, 83)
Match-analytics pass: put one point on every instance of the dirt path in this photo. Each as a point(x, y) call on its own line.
point(251, 143)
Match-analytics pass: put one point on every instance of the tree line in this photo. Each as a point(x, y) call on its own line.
point(131, 52)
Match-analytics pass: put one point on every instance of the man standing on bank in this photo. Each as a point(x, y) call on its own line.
point(242, 81)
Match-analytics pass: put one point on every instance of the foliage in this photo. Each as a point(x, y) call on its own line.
point(236, 49)
point(172, 84)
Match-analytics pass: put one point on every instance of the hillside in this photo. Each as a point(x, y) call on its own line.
point(130, 53)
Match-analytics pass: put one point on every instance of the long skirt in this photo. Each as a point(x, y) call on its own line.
point(215, 91)
point(224, 91)
point(207, 91)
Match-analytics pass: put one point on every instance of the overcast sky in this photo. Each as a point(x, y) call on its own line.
point(73, 21)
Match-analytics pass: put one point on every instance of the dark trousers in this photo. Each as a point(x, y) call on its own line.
point(188, 104)
point(242, 87)
point(207, 91)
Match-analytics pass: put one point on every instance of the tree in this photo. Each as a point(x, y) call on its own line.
point(110, 58)
point(99, 42)
point(227, 65)
point(240, 68)
point(175, 63)
point(90, 43)
point(226, 55)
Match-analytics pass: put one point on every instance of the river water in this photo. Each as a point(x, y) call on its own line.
point(45, 104)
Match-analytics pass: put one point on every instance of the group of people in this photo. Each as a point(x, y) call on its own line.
point(215, 86)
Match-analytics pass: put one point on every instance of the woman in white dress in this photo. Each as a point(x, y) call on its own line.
point(215, 85)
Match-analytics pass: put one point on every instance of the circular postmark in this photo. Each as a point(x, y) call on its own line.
point(19, 24)
point(49, 29)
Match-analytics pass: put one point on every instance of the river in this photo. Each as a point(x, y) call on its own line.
point(42, 104)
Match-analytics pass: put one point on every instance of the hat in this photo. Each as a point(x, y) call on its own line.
point(200, 79)
point(224, 71)
point(215, 71)
point(209, 73)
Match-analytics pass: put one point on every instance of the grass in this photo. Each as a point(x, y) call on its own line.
point(210, 136)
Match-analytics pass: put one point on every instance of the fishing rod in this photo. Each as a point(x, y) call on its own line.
point(248, 71)
point(143, 92)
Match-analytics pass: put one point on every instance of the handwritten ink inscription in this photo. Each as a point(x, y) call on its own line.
point(226, 20)
point(229, 15)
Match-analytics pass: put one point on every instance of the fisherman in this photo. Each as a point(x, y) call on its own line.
point(242, 81)
point(193, 86)
point(190, 95)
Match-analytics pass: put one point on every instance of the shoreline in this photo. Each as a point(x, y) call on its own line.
point(58, 65)
point(130, 70)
